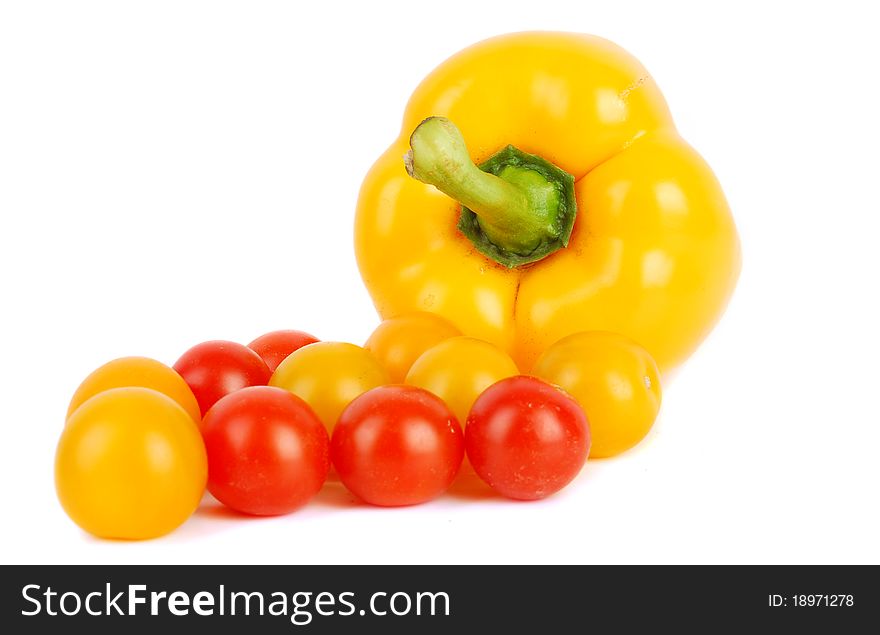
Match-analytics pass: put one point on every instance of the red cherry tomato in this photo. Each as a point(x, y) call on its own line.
point(397, 445)
point(215, 369)
point(526, 438)
point(274, 347)
point(268, 453)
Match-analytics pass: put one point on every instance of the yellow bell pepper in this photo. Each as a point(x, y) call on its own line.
point(652, 254)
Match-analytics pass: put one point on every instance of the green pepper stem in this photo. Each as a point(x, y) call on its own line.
point(439, 157)
point(524, 206)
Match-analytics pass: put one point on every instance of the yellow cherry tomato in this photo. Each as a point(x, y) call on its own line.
point(616, 382)
point(328, 376)
point(130, 464)
point(399, 342)
point(137, 371)
point(459, 369)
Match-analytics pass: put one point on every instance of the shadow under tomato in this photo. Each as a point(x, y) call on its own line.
point(219, 511)
point(335, 495)
point(212, 516)
point(332, 495)
point(469, 486)
point(211, 510)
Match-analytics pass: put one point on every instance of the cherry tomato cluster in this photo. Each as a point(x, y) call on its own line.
point(261, 426)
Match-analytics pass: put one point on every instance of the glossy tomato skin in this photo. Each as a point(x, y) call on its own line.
point(615, 380)
point(398, 342)
point(328, 376)
point(130, 464)
point(459, 369)
point(526, 438)
point(132, 372)
point(217, 368)
point(397, 445)
point(268, 453)
point(274, 347)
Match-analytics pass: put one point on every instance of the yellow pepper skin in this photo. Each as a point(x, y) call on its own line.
point(653, 255)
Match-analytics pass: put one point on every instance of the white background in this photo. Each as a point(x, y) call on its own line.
point(172, 172)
